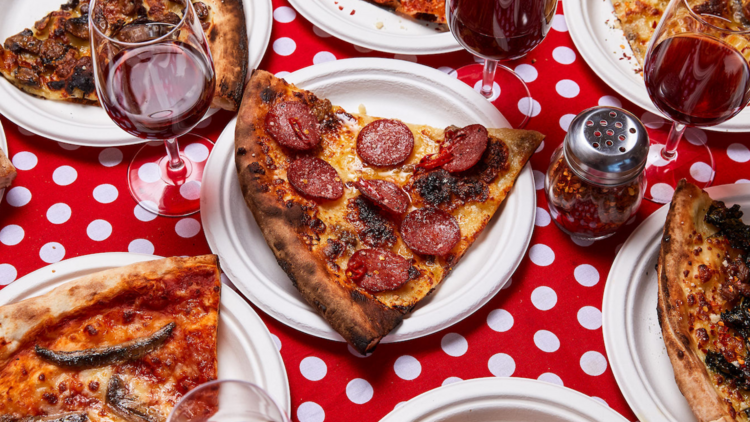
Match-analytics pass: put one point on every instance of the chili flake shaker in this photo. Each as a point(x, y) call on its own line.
point(595, 181)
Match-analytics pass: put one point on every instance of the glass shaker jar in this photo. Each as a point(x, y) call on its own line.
point(595, 181)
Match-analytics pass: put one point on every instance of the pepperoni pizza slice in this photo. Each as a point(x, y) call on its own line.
point(121, 345)
point(367, 215)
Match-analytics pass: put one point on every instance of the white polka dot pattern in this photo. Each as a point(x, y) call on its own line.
point(359, 391)
point(541, 255)
point(500, 320)
point(8, 274)
point(52, 252)
point(18, 196)
point(451, 380)
point(105, 194)
point(550, 378)
point(313, 368)
point(141, 246)
point(593, 363)
point(501, 365)
point(454, 344)
point(544, 298)
point(99, 230)
point(310, 412)
point(187, 227)
point(407, 367)
point(546, 341)
point(25, 160)
point(11, 235)
point(586, 275)
point(110, 157)
point(590, 318)
point(59, 213)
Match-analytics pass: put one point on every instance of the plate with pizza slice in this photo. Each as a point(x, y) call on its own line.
point(675, 310)
point(393, 26)
point(349, 226)
point(612, 36)
point(46, 73)
point(121, 337)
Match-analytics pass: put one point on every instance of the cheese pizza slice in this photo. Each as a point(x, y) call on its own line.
point(367, 215)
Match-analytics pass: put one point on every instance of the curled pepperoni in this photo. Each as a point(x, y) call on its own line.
point(385, 143)
point(430, 231)
point(314, 177)
point(384, 193)
point(293, 125)
point(460, 151)
point(378, 270)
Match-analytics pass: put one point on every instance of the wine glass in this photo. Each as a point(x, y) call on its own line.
point(500, 30)
point(227, 401)
point(155, 79)
point(697, 74)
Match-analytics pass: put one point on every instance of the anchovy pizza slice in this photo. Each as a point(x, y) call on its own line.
point(120, 345)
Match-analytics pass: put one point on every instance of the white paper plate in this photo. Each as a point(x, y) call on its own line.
point(84, 124)
point(398, 34)
point(591, 25)
point(388, 88)
point(246, 350)
point(4, 147)
point(503, 399)
point(631, 330)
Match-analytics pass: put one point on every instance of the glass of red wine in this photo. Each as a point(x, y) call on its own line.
point(155, 79)
point(697, 74)
point(500, 30)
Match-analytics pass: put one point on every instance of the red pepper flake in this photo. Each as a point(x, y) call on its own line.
point(353, 11)
point(341, 7)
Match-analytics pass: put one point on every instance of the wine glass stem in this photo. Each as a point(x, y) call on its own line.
point(488, 77)
point(173, 152)
point(675, 135)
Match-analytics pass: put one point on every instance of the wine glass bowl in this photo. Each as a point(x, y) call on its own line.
point(227, 401)
point(697, 74)
point(155, 79)
point(500, 30)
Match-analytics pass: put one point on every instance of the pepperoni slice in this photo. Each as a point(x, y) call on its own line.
point(384, 193)
point(467, 146)
point(385, 143)
point(378, 270)
point(430, 231)
point(314, 177)
point(293, 125)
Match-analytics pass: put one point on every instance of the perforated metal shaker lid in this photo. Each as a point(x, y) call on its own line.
point(606, 145)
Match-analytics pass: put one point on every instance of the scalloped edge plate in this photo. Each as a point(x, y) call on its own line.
point(388, 88)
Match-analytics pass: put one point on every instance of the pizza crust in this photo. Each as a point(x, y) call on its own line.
point(227, 40)
point(20, 320)
point(7, 171)
point(689, 206)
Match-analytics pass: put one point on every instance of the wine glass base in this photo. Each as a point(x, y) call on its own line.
point(163, 191)
point(510, 95)
point(693, 162)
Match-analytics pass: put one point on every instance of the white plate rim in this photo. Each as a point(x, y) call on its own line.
point(4, 147)
point(217, 230)
point(275, 383)
point(537, 392)
point(627, 84)
point(619, 291)
point(343, 28)
point(23, 113)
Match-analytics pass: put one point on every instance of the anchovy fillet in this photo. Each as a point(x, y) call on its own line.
point(127, 406)
point(63, 417)
point(104, 356)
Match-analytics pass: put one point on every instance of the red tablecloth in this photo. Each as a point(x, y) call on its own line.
point(546, 324)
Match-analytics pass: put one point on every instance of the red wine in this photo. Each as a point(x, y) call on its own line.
point(500, 29)
point(697, 80)
point(158, 91)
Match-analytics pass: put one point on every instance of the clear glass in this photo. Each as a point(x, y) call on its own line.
point(588, 210)
point(696, 73)
point(155, 79)
point(227, 401)
point(495, 31)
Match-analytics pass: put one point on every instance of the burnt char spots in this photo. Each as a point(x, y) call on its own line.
point(444, 190)
point(373, 229)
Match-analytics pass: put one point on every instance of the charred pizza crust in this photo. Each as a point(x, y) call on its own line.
point(313, 241)
point(687, 210)
point(106, 309)
point(7, 171)
point(428, 10)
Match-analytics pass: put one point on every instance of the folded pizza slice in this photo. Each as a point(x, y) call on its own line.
point(367, 215)
point(704, 303)
point(119, 345)
point(7, 171)
point(427, 10)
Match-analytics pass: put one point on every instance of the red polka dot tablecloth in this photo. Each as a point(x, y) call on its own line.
point(546, 324)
